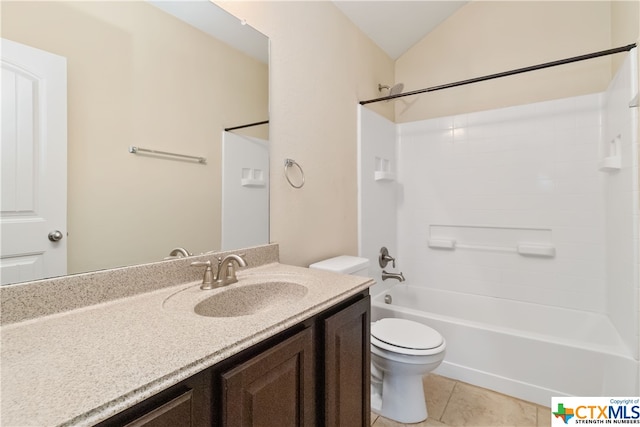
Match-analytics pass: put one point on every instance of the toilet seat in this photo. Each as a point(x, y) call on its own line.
point(406, 337)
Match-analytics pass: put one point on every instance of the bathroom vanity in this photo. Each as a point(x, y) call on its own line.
point(150, 360)
point(315, 373)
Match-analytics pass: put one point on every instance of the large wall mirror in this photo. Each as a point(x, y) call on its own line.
point(163, 76)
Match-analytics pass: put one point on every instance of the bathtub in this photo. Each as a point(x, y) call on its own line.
point(525, 350)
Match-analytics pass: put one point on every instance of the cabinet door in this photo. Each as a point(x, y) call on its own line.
point(274, 388)
point(347, 366)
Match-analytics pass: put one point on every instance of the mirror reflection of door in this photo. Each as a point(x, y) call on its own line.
point(34, 164)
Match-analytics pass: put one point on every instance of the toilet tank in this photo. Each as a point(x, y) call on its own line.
point(344, 264)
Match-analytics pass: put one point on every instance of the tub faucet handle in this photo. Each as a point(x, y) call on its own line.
point(384, 258)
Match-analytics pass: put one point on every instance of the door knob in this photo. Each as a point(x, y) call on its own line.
point(55, 235)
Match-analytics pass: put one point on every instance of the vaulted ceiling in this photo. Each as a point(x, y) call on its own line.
point(395, 26)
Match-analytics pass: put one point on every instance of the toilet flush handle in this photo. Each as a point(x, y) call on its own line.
point(384, 258)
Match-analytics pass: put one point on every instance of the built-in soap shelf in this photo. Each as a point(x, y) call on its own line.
point(526, 241)
point(383, 170)
point(252, 178)
point(612, 159)
point(384, 176)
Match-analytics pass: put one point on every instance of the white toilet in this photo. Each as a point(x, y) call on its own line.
point(402, 351)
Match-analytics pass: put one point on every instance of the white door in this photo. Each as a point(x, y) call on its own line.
point(34, 164)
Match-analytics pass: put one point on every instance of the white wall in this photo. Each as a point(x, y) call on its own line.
point(377, 199)
point(621, 198)
point(531, 166)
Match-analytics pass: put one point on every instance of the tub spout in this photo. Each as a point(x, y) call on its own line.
point(398, 276)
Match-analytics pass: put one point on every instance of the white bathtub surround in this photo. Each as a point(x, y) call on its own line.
point(621, 198)
point(377, 200)
point(511, 207)
point(495, 180)
point(245, 191)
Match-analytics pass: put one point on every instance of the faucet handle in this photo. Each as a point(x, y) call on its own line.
point(201, 263)
point(207, 279)
point(384, 258)
point(227, 269)
point(229, 274)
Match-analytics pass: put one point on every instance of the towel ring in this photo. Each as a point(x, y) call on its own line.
point(287, 164)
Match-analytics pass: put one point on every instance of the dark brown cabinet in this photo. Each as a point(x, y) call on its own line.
point(347, 366)
point(275, 388)
point(316, 373)
point(187, 404)
point(173, 413)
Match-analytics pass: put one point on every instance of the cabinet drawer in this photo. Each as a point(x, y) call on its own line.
point(187, 403)
point(176, 412)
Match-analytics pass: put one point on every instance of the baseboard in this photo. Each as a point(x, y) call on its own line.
point(529, 392)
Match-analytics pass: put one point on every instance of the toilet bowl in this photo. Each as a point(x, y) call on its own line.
point(402, 351)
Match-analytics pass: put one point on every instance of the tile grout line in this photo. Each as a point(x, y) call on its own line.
point(448, 400)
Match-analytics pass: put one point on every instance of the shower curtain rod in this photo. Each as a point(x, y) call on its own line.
point(247, 125)
point(506, 73)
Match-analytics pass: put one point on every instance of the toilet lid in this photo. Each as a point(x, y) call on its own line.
point(406, 334)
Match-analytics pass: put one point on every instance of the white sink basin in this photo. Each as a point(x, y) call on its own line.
point(239, 299)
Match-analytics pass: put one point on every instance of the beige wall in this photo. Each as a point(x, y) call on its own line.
point(486, 37)
point(137, 76)
point(320, 67)
point(625, 26)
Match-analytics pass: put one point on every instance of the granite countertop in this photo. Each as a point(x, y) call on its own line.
point(82, 366)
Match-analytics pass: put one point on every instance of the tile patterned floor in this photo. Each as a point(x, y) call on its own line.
point(454, 403)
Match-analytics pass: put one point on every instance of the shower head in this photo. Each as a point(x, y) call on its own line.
point(393, 90)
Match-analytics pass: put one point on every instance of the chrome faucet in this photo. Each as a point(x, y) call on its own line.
point(226, 273)
point(398, 276)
